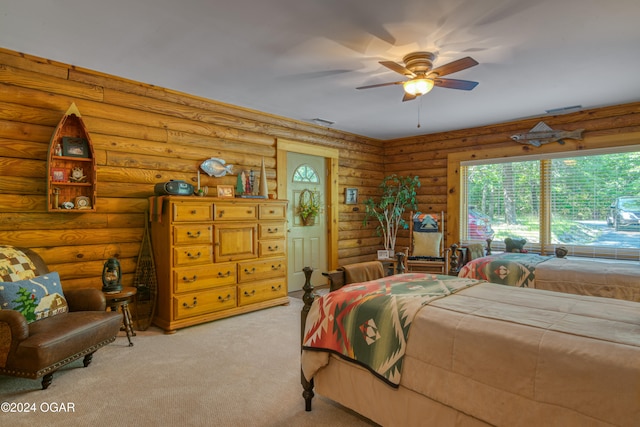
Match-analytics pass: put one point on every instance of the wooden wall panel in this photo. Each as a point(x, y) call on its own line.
point(435, 158)
point(142, 135)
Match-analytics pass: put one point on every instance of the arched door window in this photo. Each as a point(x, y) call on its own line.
point(305, 173)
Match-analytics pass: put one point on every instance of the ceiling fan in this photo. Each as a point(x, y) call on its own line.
point(422, 77)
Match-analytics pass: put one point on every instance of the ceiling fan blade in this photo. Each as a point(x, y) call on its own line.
point(394, 66)
point(453, 67)
point(455, 84)
point(408, 97)
point(380, 85)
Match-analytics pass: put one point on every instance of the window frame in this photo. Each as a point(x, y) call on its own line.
point(600, 144)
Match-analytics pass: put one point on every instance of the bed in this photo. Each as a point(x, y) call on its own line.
point(475, 353)
point(619, 280)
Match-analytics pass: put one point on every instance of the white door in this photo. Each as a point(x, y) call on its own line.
point(307, 243)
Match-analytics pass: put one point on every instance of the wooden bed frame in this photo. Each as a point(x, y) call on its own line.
point(337, 278)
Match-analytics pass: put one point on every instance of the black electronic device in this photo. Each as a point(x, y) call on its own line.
point(174, 188)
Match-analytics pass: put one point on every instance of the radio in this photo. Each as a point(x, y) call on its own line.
point(174, 188)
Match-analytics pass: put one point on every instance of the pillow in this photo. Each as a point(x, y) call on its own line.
point(15, 265)
point(475, 251)
point(36, 298)
point(424, 222)
point(426, 244)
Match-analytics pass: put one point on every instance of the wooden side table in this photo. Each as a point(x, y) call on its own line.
point(394, 265)
point(122, 299)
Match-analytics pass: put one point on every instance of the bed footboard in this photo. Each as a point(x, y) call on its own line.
point(307, 298)
point(336, 281)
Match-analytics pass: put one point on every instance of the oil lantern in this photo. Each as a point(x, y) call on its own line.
point(111, 275)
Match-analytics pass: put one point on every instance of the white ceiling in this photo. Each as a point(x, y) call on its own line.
point(303, 59)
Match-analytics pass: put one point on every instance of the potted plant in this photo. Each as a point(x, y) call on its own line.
point(308, 206)
point(398, 195)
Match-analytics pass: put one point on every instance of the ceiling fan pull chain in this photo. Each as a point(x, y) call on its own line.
point(419, 108)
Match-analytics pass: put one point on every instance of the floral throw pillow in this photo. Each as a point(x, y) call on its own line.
point(36, 298)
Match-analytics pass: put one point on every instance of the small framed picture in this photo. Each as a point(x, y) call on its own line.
point(58, 175)
point(351, 196)
point(75, 147)
point(383, 254)
point(225, 191)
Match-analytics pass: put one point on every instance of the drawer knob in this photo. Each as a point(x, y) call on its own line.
point(276, 267)
point(275, 289)
point(221, 214)
point(223, 275)
point(196, 235)
point(272, 211)
point(247, 294)
point(225, 299)
point(273, 249)
point(249, 211)
point(253, 270)
point(195, 302)
point(193, 212)
point(193, 279)
point(272, 230)
point(196, 256)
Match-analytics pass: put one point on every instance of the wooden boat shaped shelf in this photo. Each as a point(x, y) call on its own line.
point(71, 165)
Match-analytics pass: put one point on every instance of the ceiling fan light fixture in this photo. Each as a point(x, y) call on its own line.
point(417, 87)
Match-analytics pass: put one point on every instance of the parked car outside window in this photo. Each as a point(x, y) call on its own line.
point(624, 212)
point(479, 226)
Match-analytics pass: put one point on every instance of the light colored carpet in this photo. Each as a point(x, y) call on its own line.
point(240, 371)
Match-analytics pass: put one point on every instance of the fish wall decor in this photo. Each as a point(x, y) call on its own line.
point(543, 134)
point(216, 167)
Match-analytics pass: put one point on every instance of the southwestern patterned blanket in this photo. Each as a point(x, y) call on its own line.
point(368, 323)
point(513, 269)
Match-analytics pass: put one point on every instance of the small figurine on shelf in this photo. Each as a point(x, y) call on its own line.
point(240, 184)
point(58, 150)
point(77, 175)
point(56, 198)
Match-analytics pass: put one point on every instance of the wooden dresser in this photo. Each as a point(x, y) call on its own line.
point(217, 258)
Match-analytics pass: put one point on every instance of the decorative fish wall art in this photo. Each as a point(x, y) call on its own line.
point(543, 134)
point(216, 167)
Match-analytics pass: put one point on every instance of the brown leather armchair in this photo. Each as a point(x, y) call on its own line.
point(39, 348)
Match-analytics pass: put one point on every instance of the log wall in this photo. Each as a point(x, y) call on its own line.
point(142, 135)
point(435, 158)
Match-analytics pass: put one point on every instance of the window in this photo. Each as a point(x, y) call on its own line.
point(305, 173)
point(567, 200)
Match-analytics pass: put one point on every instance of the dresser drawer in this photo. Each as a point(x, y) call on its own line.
point(205, 302)
point(261, 291)
point(263, 269)
point(271, 248)
point(192, 212)
point(270, 230)
point(188, 279)
point(191, 233)
point(192, 255)
point(231, 212)
point(273, 211)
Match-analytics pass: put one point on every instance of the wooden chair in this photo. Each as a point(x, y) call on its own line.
point(426, 251)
